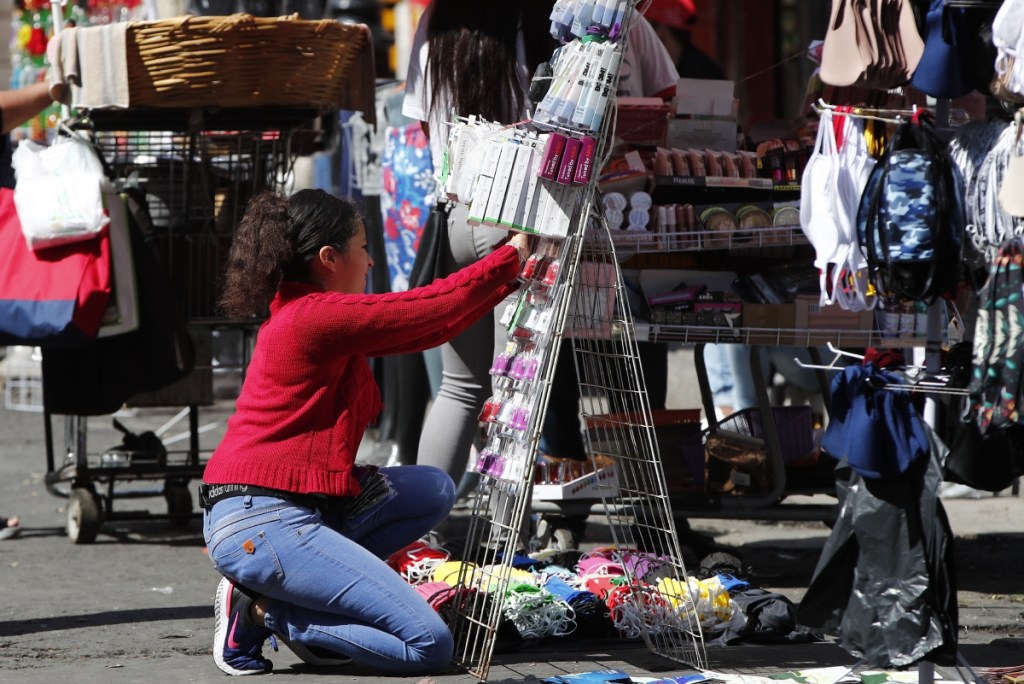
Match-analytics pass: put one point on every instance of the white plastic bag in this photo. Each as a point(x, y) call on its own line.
point(58, 192)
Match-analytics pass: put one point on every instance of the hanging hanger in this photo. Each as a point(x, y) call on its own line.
point(836, 350)
point(839, 353)
point(977, 4)
point(927, 389)
point(930, 384)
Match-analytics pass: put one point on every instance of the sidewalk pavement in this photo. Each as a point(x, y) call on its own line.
point(136, 605)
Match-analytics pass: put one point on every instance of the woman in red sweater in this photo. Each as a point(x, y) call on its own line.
point(299, 531)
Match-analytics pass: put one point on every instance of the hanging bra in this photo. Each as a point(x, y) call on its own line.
point(816, 184)
point(852, 288)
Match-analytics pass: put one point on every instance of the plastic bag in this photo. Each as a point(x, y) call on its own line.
point(58, 192)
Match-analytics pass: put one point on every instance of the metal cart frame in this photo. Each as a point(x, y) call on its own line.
point(198, 169)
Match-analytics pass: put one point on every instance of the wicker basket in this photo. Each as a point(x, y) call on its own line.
point(242, 61)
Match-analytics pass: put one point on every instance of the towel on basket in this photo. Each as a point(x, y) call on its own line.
point(89, 66)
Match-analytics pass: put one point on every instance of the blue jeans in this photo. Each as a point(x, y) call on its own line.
point(326, 574)
point(718, 362)
point(773, 359)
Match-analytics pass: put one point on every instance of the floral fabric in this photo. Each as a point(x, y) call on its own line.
point(407, 198)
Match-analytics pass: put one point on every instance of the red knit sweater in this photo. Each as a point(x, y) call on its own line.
point(309, 393)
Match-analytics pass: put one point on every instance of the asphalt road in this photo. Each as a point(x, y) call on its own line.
point(136, 605)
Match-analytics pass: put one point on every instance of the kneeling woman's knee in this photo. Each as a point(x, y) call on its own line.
point(441, 486)
point(438, 657)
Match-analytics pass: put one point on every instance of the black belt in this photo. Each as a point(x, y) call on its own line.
point(211, 494)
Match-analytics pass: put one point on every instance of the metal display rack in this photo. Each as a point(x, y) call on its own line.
point(624, 477)
point(197, 170)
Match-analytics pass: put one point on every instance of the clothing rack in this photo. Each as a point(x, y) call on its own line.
point(975, 4)
point(896, 116)
point(930, 384)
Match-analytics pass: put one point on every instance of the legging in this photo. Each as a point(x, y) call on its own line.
point(451, 424)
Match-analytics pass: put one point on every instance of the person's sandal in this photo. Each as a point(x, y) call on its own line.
point(9, 528)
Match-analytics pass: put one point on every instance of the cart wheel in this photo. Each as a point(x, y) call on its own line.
point(84, 516)
point(179, 503)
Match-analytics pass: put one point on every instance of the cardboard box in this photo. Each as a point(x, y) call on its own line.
point(603, 483)
point(718, 315)
point(769, 323)
point(818, 321)
point(701, 134)
point(706, 97)
point(642, 121)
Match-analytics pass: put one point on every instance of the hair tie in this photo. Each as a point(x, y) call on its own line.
point(635, 609)
point(537, 613)
point(417, 562)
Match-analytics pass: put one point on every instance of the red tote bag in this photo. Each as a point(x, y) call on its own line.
point(51, 297)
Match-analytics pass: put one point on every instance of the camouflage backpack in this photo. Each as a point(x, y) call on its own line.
point(910, 221)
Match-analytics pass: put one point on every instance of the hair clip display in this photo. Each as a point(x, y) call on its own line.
point(520, 418)
point(504, 459)
point(534, 265)
point(524, 367)
point(551, 273)
point(503, 362)
point(490, 463)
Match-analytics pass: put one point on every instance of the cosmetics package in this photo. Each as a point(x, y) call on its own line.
point(584, 161)
point(484, 181)
point(552, 157)
point(502, 175)
point(591, 81)
point(567, 168)
point(522, 185)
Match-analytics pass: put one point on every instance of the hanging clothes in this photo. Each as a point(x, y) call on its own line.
point(877, 431)
point(885, 581)
point(407, 197)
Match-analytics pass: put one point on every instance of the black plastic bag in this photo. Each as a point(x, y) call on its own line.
point(885, 581)
point(761, 617)
point(431, 255)
point(991, 461)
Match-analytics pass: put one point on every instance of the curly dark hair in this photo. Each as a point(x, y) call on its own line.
point(276, 239)
point(473, 59)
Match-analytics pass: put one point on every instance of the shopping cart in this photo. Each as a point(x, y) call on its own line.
point(196, 172)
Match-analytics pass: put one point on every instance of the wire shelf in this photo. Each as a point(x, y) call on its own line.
point(755, 239)
point(611, 382)
point(690, 334)
point(587, 302)
point(625, 476)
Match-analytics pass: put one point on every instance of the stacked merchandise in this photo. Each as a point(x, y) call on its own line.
point(588, 594)
point(690, 188)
